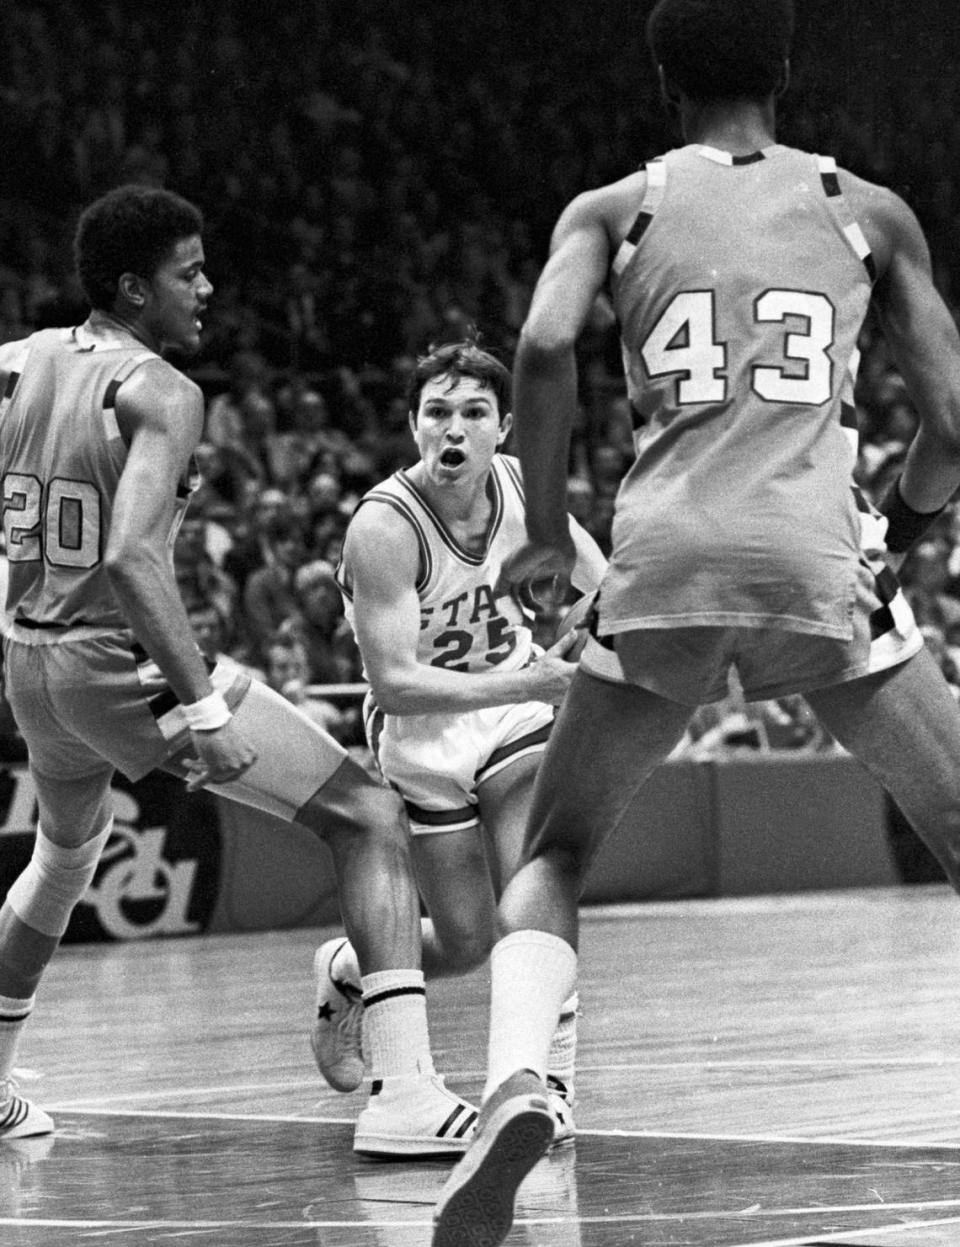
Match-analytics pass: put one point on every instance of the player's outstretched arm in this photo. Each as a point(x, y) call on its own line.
point(160, 414)
point(545, 374)
point(925, 345)
point(382, 559)
point(545, 382)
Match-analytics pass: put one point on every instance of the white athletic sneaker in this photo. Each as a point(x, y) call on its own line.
point(20, 1118)
point(560, 1098)
point(336, 1036)
point(416, 1116)
point(515, 1129)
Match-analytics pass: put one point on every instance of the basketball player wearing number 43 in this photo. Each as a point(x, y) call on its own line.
point(741, 273)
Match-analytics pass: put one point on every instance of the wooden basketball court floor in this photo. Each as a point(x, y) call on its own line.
point(771, 1072)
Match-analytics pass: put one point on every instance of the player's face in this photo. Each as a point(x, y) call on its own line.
point(176, 296)
point(458, 428)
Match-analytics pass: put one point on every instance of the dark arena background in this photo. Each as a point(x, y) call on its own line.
point(769, 1053)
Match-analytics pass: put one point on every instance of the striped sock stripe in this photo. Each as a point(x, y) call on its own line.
point(391, 993)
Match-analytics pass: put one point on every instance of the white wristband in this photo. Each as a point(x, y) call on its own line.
point(207, 714)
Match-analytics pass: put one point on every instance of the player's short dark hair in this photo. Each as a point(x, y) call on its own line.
point(456, 360)
point(131, 229)
point(722, 49)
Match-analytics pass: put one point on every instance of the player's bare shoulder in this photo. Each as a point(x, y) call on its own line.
point(379, 539)
point(888, 223)
point(614, 206)
point(160, 399)
point(157, 392)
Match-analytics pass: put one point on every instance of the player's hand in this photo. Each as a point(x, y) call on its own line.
point(555, 668)
point(577, 620)
point(222, 755)
point(539, 561)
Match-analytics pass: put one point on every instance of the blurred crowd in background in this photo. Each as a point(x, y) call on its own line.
point(379, 176)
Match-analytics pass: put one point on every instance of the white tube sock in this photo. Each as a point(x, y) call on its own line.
point(531, 975)
point(395, 1035)
point(13, 1017)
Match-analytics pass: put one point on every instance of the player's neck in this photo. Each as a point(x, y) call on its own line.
point(464, 502)
point(100, 320)
point(739, 126)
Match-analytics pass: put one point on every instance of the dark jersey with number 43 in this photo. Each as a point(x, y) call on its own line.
point(740, 292)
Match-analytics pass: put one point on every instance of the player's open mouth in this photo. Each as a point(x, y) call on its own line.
point(452, 458)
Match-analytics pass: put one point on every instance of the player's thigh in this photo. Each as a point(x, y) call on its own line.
point(295, 758)
point(71, 777)
point(505, 799)
point(454, 880)
point(608, 739)
point(74, 809)
point(903, 725)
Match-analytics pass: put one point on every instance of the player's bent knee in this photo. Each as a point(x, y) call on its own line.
point(44, 895)
point(466, 951)
point(568, 860)
point(941, 832)
point(351, 801)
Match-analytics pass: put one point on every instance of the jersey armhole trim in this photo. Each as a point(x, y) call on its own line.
point(849, 226)
point(656, 171)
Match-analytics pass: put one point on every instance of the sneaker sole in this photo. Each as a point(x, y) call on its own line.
point(476, 1209)
point(565, 1138)
point(391, 1147)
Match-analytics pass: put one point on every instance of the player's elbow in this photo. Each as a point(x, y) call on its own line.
point(394, 693)
point(125, 564)
point(117, 563)
point(949, 435)
point(543, 345)
point(940, 430)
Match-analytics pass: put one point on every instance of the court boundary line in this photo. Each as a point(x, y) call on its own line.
point(932, 1061)
point(692, 1136)
point(310, 1223)
point(761, 902)
point(842, 1237)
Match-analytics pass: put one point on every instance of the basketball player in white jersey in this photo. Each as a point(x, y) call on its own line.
point(741, 271)
point(461, 702)
point(97, 433)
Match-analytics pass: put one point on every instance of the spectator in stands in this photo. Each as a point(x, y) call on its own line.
point(268, 595)
point(90, 97)
point(216, 635)
point(930, 587)
point(317, 620)
point(257, 510)
point(288, 673)
point(197, 574)
point(243, 413)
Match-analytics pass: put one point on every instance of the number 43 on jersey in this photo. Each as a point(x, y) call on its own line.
point(683, 343)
